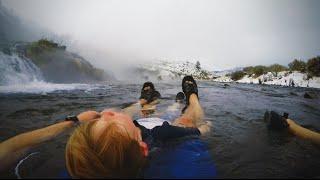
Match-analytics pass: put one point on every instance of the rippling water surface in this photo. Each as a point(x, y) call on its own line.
point(241, 144)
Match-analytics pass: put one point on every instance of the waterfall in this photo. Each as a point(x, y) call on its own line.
point(17, 70)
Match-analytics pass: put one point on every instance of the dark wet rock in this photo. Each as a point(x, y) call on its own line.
point(58, 65)
point(293, 94)
point(310, 95)
point(226, 85)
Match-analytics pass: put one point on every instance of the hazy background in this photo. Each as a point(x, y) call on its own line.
point(220, 34)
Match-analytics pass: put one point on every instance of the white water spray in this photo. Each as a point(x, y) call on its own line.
point(16, 70)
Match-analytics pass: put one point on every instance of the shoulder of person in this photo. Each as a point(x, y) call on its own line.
point(157, 93)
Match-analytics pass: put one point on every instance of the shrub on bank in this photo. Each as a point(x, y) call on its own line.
point(313, 66)
point(237, 75)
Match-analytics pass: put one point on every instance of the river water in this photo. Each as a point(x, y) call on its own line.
point(240, 142)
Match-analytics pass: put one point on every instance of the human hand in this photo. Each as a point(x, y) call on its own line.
point(88, 115)
point(154, 102)
point(147, 109)
point(143, 102)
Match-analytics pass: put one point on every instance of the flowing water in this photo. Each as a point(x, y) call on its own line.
point(240, 142)
point(17, 70)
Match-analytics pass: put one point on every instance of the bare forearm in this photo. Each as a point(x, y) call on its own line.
point(33, 138)
point(154, 102)
point(14, 148)
point(144, 102)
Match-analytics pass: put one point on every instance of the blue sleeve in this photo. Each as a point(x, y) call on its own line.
point(168, 132)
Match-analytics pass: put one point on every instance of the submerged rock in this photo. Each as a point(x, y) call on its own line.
point(310, 95)
point(294, 94)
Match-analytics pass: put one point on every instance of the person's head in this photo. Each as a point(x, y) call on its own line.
point(148, 86)
point(110, 147)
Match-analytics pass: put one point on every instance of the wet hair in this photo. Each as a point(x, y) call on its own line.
point(150, 84)
point(113, 155)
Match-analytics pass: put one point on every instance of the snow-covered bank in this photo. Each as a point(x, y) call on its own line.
point(296, 79)
point(223, 79)
point(165, 70)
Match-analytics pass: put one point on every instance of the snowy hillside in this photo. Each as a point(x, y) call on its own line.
point(227, 71)
point(284, 78)
point(165, 70)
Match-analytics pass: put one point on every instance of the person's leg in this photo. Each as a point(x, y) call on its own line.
point(174, 111)
point(303, 132)
point(175, 107)
point(193, 115)
point(280, 123)
point(132, 110)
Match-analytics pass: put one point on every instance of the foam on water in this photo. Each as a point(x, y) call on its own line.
point(18, 70)
point(40, 87)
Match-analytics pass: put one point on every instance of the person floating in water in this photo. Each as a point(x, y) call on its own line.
point(149, 95)
point(111, 145)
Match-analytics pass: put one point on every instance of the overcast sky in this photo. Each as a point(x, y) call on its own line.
point(220, 34)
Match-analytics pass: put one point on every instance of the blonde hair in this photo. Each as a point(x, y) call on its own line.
point(113, 155)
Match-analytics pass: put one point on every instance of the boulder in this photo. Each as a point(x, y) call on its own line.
point(59, 65)
point(293, 94)
point(310, 95)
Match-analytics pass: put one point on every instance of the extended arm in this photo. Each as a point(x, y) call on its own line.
point(15, 148)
